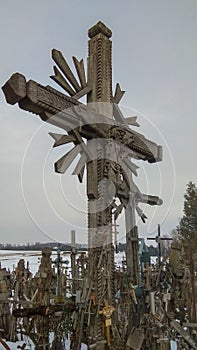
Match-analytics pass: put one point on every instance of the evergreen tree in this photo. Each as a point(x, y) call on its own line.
point(187, 228)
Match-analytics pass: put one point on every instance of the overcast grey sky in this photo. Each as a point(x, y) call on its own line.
point(154, 60)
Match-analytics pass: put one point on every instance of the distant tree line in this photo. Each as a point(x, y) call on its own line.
point(37, 246)
point(152, 250)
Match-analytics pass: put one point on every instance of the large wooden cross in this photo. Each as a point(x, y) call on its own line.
point(106, 143)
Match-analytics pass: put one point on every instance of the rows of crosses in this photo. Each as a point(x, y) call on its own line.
point(106, 142)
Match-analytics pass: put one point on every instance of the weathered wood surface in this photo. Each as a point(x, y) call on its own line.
point(67, 113)
point(44, 310)
point(186, 336)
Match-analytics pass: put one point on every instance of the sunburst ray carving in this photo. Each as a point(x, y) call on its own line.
point(66, 79)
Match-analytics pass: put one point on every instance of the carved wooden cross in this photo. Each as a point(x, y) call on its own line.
point(106, 153)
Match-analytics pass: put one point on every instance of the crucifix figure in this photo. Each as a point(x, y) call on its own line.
point(106, 143)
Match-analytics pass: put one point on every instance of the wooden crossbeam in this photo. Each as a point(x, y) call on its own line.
point(60, 110)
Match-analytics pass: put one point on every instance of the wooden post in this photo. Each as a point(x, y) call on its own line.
point(73, 261)
point(101, 252)
point(115, 232)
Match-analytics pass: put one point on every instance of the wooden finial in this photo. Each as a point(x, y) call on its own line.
point(99, 28)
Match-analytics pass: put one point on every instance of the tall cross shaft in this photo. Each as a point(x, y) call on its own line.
point(101, 252)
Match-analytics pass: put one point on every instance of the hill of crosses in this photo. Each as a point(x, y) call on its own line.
point(92, 301)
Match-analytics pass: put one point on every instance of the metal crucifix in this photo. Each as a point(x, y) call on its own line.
point(106, 143)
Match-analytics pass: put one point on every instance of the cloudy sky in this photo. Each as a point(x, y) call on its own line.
point(154, 60)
